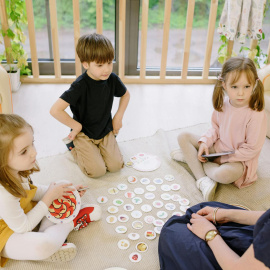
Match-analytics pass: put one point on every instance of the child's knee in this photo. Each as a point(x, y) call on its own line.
point(96, 172)
point(115, 166)
point(91, 167)
point(183, 137)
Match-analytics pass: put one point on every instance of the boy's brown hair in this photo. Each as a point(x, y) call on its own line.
point(236, 66)
point(11, 126)
point(95, 48)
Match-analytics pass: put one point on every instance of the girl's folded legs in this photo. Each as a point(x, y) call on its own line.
point(207, 174)
point(188, 143)
point(48, 243)
point(225, 173)
point(37, 245)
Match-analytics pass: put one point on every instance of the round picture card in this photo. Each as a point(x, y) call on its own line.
point(64, 211)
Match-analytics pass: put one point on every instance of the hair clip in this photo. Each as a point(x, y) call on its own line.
point(256, 83)
point(220, 78)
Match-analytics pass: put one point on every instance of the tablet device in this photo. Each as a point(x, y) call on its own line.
point(215, 155)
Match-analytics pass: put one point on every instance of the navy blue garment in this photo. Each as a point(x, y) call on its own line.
point(261, 239)
point(180, 249)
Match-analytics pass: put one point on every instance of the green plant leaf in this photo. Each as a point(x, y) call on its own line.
point(221, 59)
point(258, 50)
point(245, 48)
point(223, 38)
point(10, 34)
point(221, 47)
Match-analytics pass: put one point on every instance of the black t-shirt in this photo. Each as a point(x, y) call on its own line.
point(261, 239)
point(91, 103)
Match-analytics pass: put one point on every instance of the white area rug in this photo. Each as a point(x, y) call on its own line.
point(97, 244)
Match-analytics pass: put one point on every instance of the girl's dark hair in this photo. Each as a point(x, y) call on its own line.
point(95, 48)
point(12, 126)
point(236, 66)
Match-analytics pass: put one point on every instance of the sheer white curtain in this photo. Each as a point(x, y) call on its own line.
point(241, 18)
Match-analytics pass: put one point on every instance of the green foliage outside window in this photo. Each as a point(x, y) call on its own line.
point(155, 16)
point(65, 14)
point(178, 13)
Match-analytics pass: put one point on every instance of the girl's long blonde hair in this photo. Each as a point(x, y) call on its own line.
point(11, 126)
point(238, 65)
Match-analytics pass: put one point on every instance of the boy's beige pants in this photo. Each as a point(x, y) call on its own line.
point(95, 157)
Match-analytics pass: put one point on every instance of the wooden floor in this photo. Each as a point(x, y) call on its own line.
point(151, 107)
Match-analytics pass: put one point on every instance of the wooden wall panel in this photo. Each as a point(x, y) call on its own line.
point(76, 22)
point(4, 23)
point(99, 16)
point(145, 7)
point(122, 30)
point(55, 38)
point(189, 22)
point(210, 37)
point(165, 41)
point(32, 38)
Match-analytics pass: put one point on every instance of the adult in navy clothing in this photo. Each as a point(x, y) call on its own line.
point(239, 240)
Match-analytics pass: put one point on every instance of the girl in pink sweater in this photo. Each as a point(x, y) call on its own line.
point(238, 126)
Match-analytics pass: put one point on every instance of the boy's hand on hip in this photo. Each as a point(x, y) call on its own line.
point(72, 135)
point(117, 124)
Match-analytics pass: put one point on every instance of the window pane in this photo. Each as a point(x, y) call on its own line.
point(199, 35)
point(40, 21)
point(65, 26)
point(177, 34)
point(154, 33)
point(88, 18)
point(65, 29)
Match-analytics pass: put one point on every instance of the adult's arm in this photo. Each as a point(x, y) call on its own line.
point(231, 215)
point(228, 259)
point(224, 255)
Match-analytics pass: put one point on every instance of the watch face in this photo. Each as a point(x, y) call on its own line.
point(211, 235)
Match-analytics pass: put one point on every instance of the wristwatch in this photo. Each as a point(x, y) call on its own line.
point(210, 235)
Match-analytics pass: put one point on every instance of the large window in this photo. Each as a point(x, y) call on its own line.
point(133, 34)
point(66, 31)
point(177, 35)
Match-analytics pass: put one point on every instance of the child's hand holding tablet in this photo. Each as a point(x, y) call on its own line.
point(213, 156)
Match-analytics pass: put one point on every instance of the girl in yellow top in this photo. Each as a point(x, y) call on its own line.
point(24, 205)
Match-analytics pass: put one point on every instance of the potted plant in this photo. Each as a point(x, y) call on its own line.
point(15, 56)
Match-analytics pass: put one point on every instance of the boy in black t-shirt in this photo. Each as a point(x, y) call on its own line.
point(90, 98)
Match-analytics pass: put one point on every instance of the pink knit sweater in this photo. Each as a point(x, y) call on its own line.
point(242, 130)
